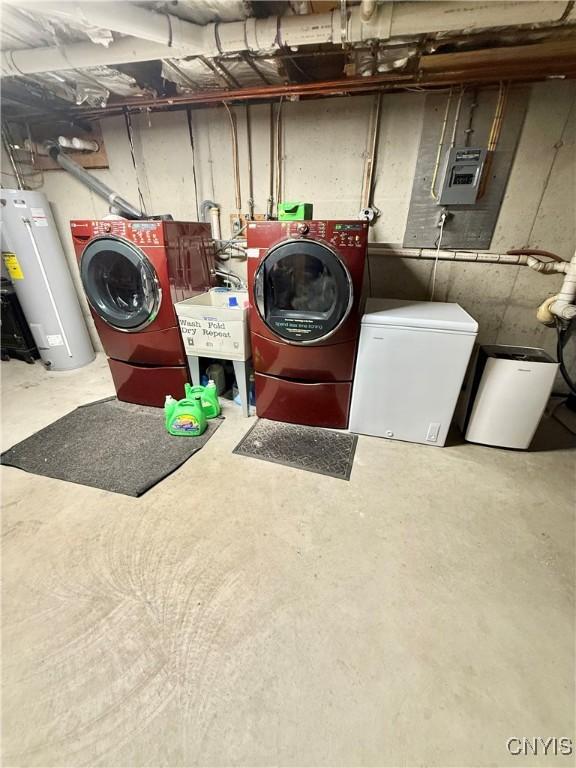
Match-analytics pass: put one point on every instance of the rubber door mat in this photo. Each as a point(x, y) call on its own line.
point(311, 448)
point(112, 445)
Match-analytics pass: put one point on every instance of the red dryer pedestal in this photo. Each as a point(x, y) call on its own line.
point(132, 273)
point(306, 283)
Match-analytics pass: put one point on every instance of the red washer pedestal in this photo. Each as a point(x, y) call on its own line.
point(148, 385)
point(316, 405)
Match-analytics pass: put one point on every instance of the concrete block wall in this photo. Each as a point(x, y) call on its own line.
point(323, 151)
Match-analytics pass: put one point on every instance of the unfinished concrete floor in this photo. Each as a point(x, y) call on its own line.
point(244, 613)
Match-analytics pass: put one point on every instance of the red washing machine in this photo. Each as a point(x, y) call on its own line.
point(306, 282)
point(132, 273)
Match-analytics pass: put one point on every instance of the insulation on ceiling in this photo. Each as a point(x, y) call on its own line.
point(91, 86)
point(191, 75)
point(206, 11)
point(21, 29)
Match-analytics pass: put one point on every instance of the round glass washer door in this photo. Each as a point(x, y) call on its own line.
point(303, 291)
point(120, 283)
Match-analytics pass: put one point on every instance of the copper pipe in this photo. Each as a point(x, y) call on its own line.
point(346, 86)
point(270, 205)
point(495, 130)
point(250, 171)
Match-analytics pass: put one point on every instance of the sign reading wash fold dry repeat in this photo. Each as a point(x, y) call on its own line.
point(215, 324)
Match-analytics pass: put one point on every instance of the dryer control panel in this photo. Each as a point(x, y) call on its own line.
point(341, 235)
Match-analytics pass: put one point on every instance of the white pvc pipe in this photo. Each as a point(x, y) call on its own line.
point(79, 55)
point(85, 145)
point(215, 222)
point(481, 257)
point(367, 8)
point(547, 267)
point(170, 37)
point(565, 305)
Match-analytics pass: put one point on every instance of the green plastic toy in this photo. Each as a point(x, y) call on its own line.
point(185, 417)
point(209, 396)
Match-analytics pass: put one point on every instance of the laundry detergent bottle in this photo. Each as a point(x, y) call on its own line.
point(185, 417)
point(209, 396)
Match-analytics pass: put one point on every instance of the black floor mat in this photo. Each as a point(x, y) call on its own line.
point(311, 448)
point(115, 446)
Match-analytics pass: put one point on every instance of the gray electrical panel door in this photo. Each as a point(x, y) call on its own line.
point(461, 176)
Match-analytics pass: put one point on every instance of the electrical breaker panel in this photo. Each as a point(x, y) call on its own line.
point(461, 177)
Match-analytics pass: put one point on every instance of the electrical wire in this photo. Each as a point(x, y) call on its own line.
point(278, 154)
point(235, 160)
point(456, 118)
point(440, 147)
point(192, 146)
point(369, 268)
point(369, 166)
point(469, 130)
point(563, 336)
point(130, 132)
point(443, 218)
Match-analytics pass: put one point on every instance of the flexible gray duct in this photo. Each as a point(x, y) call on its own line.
point(94, 184)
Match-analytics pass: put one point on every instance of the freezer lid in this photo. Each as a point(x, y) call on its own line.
point(433, 315)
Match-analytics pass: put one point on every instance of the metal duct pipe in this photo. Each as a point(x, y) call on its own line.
point(173, 37)
point(93, 183)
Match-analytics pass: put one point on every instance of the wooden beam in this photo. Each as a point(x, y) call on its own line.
point(552, 53)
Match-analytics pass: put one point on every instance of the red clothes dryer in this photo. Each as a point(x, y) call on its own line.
point(306, 298)
point(132, 273)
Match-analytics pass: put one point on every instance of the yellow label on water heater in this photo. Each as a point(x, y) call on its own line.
point(13, 266)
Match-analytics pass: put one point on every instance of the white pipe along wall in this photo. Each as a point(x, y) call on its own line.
point(167, 36)
point(562, 305)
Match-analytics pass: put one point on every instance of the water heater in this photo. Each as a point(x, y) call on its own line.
point(36, 263)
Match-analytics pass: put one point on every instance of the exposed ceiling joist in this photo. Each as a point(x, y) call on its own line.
point(457, 69)
point(377, 45)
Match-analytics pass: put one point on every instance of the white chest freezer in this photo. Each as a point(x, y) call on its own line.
point(411, 362)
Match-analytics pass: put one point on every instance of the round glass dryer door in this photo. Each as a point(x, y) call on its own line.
point(120, 284)
point(303, 291)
